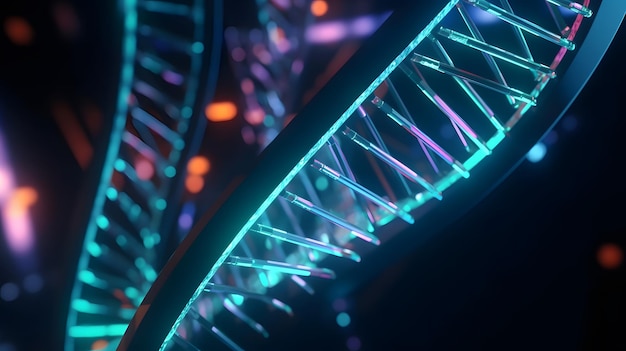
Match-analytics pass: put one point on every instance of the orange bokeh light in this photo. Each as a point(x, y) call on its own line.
point(198, 165)
point(194, 183)
point(100, 344)
point(319, 7)
point(221, 111)
point(610, 256)
point(18, 30)
point(24, 197)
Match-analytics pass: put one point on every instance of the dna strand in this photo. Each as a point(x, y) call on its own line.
point(435, 95)
point(166, 76)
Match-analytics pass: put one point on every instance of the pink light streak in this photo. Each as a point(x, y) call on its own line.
point(16, 221)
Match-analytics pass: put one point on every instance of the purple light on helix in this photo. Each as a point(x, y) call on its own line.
point(363, 26)
point(172, 77)
point(328, 32)
point(334, 31)
point(185, 220)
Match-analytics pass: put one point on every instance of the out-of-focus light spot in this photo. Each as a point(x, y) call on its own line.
point(238, 54)
point(24, 197)
point(185, 220)
point(255, 116)
point(343, 319)
point(319, 7)
point(328, 32)
point(197, 47)
point(481, 17)
point(247, 86)
point(66, 19)
point(9, 292)
point(248, 136)
point(353, 343)
point(100, 344)
point(237, 299)
point(172, 77)
point(569, 123)
point(160, 204)
point(334, 31)
point(610, 256)
point(18, 227)
point(194, 183)
point(363, 26)
point(144, 169)
point(269, 121)
point(102, 222)
point(325, 238)
point(33, 283)
point(340, 305)
point(321, 183)
point(19, 31)
point(537, 152)
point(169, 171)
point(297, 66)
point(119, 165)
point(262, 54)
point(220, 111)
point(111, 193)
point(198, 165)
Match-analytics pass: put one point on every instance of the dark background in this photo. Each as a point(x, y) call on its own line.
point(518, 271)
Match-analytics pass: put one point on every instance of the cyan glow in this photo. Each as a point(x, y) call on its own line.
point(90, 331)
point(115, 138)
point(304, 161)
point(343, 319)
point(537, 152)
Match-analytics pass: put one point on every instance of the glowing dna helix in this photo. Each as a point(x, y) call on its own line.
point(170, 50)
point(427, 101)
point(426, 65)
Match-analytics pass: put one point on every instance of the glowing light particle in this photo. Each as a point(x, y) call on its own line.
point(537, 152)
point(319, 7)
point(144, 169)
point(185, 221)
point(321, 183)
point(198, 165)
point(255, 116)
point(19, 231)
point(221, 111)
point(160, 204)
point(237, 299)
point(343, 319)
point(610, 256)
point(194, 183)
point(9, 292)
point(169, 171)
point(19, 31)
